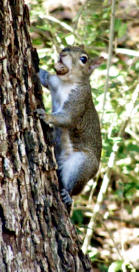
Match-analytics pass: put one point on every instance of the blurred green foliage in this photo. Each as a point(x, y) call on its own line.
point(90, 26)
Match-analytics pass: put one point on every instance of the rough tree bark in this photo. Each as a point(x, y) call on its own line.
point(35, 231)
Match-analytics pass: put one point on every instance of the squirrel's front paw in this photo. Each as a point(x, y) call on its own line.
point(42, 115)
point(40, 112)
point(66, 197)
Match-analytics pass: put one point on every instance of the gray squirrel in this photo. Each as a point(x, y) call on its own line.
point(76, 124)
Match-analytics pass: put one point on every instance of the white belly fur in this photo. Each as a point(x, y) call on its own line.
point(61, 95)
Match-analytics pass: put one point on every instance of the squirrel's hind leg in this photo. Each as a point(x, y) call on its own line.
point(75, 171)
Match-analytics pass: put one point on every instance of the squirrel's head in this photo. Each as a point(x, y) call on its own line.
point(75, 64)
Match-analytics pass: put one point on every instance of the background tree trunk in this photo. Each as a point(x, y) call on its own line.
point(35, 231)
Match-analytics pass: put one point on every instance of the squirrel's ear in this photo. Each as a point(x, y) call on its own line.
point(82, 46)
point(95, 63)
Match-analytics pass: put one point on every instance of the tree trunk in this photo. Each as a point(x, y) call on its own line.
point(35, 231)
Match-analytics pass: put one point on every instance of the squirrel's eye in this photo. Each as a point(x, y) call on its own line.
point(83, 59)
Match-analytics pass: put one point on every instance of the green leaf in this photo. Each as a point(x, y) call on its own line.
point(118, 23)
point(77, 217)
point(122, 30)
point(133, 147)
point(137, 66)
point(115, 266)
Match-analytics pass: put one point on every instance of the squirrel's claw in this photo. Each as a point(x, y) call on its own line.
point(66, 197)
point(42, 115)
point(40, 112)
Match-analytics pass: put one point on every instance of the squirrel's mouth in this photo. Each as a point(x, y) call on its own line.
point(60, 67)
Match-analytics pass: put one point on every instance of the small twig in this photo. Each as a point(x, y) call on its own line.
point(110, 56)
point(2, 58)
point(128, 222)
point(128, 52)
point(64, 25)
point(92, 191)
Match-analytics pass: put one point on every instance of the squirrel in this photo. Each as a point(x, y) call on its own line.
point(77, 136)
